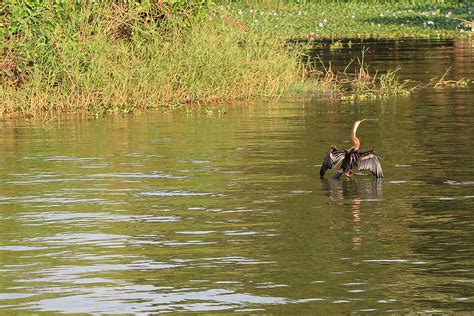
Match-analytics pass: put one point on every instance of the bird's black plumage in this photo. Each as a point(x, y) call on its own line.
point(351, 159)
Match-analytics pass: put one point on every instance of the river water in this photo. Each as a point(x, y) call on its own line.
point(176, 212)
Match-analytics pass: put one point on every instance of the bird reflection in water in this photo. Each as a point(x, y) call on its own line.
point(356, 192)
point(356, 223)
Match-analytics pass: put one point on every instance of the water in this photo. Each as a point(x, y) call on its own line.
point(176, 212)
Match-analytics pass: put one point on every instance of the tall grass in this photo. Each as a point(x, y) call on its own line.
point(355, 82)
point(108, 59)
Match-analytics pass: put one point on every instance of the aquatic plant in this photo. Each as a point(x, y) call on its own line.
point(357, 18)
point(356, 84)
point(442, 82)
point(336, 45)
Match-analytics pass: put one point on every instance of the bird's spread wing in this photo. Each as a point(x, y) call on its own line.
point(370, 161)
point(332, 159)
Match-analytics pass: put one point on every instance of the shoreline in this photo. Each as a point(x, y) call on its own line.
point(221, 57)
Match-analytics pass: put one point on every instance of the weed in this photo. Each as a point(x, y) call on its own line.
point(335, 45)
point(360, 84)
point(442, 82)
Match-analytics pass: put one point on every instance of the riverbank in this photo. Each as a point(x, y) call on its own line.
point(118, 58)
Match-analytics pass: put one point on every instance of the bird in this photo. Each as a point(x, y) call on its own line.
point(352, 158)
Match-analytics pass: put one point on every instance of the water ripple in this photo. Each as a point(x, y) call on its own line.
point(137, 175)
point(99, 239)
point(135, 298)
point(173, 193)
point(72, 218)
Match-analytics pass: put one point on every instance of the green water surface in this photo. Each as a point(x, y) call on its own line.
point(188, 212)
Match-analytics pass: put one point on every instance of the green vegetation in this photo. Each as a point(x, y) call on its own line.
point(443, 82)
point(356, 18)
point(122, 56)
point(358, 84)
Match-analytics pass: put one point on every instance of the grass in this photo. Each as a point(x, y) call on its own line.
point(358, 84)
point(357, 19)
point(88, 67)
point(442, 82)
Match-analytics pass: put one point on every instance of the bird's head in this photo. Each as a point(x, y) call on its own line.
point(357, 123)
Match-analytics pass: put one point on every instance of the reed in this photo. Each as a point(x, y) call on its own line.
point(355, 82)
point(108, 60)
point(442, 82)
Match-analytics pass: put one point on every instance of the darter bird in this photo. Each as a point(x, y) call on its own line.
point(352, 158)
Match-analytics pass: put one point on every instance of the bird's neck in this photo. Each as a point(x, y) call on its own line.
point(355, 140)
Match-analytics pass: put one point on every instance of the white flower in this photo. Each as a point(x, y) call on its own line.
point(240, 12)
point(430, 23)
point(353, 17)
point(321, 24)
point(325, 21)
